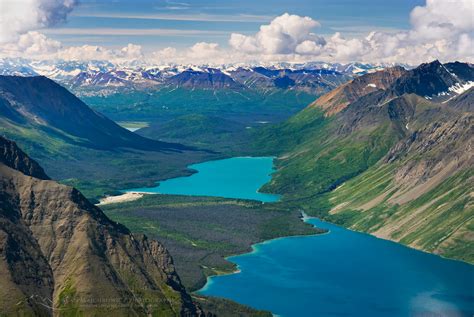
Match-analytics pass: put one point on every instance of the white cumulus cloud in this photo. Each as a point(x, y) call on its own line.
point(442, 18)
point(20, 16)
point(282, 36)
point(199, 53)
point(37, 46)
point(440, 29)
point(31, 44)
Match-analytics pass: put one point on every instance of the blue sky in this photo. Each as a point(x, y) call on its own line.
point(245, 31)
point(181, 23)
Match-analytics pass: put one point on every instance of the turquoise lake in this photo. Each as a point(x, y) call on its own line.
point(345, 273)
point(341, 273)
point(237, 177)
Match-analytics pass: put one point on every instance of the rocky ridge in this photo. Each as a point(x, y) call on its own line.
point(61, 255)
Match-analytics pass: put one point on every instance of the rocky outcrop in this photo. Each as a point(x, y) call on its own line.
point(435, 81)
point(338, 99)
point(13, 157)
point(439, 146)
point(60, 254)
point(463, 102)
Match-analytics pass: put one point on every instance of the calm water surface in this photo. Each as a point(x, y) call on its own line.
point(341, 273)
point(237, 177)
point(345, 273)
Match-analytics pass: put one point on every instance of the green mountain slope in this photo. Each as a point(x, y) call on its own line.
point(391, 163)
point(42, 104)
point(80, 146)
point(199, 130)
point(420, 193)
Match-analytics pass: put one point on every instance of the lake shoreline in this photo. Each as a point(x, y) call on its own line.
point(122, 198)
point(244, 270)
point(188, 172)
point(241, 177)
point(279, 251)
point(254, 249)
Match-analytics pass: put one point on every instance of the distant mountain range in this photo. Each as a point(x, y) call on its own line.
point(313, 77)
point(389, 153)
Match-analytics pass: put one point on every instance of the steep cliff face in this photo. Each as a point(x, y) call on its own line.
point(60, 254)
point(15, 158)
point(438, 145)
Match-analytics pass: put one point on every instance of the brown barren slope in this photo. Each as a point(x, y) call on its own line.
point(61, 255)
point(338, 99)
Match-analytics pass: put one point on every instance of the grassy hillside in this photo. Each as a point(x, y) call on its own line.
point(203, 131)
point(420, 194)
point(318, 167)
point(80, 146)
point(97, 172)
point(439, 221)
point(317, 154)
point(396, 166)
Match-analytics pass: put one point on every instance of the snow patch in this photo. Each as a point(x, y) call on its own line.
point(225, 72)
point(460, 88)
